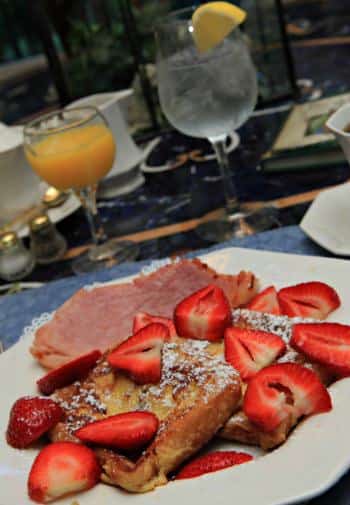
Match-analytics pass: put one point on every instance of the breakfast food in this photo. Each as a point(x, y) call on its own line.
point(326, 343)
point(29, 419)
point(266, 301)
point(142, 319)
point(140, 357)
point(309, 299)
point(150, 402)
point(248, 351)
point(197, 392)
point(126, 432)
point(203, 315)
point(303, 394)
point(212, 462)
point(61, 469)
point(68, 373)
point(239, 427)
point(109, 310)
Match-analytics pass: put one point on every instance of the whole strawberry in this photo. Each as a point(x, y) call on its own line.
point(31, 417)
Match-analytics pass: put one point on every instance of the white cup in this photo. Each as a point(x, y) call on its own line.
point(19, 185)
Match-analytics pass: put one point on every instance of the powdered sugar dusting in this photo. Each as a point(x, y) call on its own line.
point(84, 397)
point(280, 325)
point(187, 364)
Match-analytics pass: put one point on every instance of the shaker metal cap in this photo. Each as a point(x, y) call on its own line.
point(39, 222)
point(54, 197)
point(8, 239)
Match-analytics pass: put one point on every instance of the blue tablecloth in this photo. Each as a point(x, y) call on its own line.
point(17, 311)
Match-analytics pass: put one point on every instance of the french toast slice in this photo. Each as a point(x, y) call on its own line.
point(197, 394)
point(239, 428)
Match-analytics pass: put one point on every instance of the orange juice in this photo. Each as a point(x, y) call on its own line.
point(73, 159)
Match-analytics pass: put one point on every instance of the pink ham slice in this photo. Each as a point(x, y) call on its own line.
point(102, 317)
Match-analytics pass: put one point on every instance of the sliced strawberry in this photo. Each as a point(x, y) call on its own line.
point(309, 299)
point(326, 343)
point(141, 355)
point(280, 391)
point(204, 315)
point(68, 373)
point(129, 431)
point(212, 462)
point(31, 417)
point(142, 319)
point(248, 351)
point(266, 301)
point(60, 469)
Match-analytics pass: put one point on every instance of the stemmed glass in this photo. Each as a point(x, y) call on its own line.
point(209, 95)
point(73, 149)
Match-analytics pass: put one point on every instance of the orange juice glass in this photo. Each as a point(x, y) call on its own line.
point(74, 159)
point(73, 149)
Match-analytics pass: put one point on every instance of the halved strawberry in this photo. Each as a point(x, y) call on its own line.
point(283, 390)
point(142, 319)
point(308, 299)
point(31, 417)
point(60, 469)
point(212, 462)
point(68, 373)
point(251, 350)
point(128, 431)
point(204, 315)
point(266, 301)
point(141, 355)
point(326, 343)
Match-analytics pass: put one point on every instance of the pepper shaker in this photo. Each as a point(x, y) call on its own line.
point(47, 244)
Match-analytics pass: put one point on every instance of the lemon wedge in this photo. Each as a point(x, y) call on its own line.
point(213, 21)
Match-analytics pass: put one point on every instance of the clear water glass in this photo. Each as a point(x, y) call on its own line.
point(209, 95)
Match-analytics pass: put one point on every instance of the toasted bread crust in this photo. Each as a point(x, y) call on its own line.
point(183, 434)
point(197, 394)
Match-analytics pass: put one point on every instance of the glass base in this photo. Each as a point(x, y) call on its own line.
point(239, 225)
point(111, 253)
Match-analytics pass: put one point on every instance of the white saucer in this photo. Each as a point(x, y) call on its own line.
point(327, 221)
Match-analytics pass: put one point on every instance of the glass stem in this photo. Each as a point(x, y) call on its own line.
point(87, 196)
point(230, 192)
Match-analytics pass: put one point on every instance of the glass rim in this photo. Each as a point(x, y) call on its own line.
point(37, 131)
point(168, 18)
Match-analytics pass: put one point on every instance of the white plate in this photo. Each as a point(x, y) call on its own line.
point(313, 458)
point(327, 220)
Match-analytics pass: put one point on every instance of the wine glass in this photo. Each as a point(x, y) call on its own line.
point(209, 95)
point(73, 149)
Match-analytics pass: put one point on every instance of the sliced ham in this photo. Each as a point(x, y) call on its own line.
point(102, 318)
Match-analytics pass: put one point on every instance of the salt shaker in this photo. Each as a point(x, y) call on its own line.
point(16, 262)
point(47, 244)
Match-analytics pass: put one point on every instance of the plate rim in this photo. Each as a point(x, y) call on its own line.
point(334, 473)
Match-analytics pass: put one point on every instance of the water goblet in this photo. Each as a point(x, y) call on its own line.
point(210, 95)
